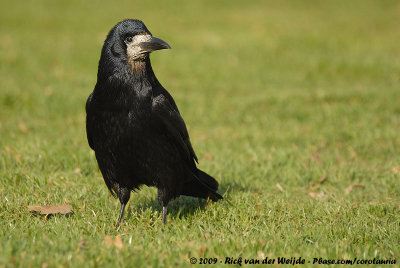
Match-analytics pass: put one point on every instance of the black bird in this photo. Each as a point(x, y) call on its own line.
point(135, 127)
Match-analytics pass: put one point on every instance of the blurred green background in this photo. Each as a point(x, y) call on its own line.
point(292, 105)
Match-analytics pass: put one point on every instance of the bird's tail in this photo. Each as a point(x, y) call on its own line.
point(202, 185)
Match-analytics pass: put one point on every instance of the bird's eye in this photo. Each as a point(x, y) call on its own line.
point(128, 39)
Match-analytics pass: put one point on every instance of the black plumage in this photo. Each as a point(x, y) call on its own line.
point(135, 127)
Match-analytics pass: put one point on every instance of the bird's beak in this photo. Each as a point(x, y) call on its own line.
point(154, 44)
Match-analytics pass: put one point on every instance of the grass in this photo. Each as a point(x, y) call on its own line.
point(288, 104)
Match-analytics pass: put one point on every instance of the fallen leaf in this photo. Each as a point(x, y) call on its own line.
point(108, 240)
point(313, 190)
point(317, 195)
point(45, 265)
point(82, 244)
point(262, 241)
point(351, 187)
point(23, 127)
point(77, 171)
point(60, 209)
point(118, 242)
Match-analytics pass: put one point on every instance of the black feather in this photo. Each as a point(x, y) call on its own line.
point(135, 127)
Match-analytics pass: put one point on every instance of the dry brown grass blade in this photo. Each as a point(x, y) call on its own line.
point(202, 249)
point(322, 179)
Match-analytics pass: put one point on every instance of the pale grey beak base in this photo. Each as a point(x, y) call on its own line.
point(154, 44)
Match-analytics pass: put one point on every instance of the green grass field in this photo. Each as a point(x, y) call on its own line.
point(293, 106)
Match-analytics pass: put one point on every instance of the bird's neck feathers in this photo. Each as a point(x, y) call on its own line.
point(124, 70)
point(141, 71)
point(122, 82)
point(139, 68)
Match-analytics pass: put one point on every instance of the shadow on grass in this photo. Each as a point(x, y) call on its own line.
point(182, 206)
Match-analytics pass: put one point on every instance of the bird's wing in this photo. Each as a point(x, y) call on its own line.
point(89, 128)
point(170, 117)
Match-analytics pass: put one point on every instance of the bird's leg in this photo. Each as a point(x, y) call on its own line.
point(123, 195)
point(121, 214)
point(164, 214)
point(163, 198)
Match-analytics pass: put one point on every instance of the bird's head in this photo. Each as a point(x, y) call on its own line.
point(130, 39)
